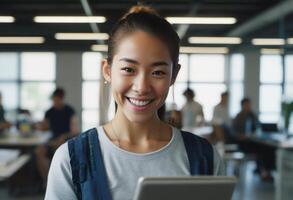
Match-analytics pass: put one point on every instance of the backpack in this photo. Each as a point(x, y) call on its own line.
point(88, 170)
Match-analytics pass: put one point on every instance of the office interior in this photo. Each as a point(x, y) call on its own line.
point(250, 55)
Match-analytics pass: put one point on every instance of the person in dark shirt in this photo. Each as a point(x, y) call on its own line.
point(61, 120)
point(245, 123)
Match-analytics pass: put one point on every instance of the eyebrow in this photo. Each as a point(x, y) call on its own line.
point(155, 64)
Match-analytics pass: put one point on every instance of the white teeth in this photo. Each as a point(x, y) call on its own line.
point(138, 102)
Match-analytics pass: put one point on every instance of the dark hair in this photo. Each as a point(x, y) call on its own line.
point(146, 19)
point(225, 94)
point(245, 100)
point(189, 92)
point(59, 92)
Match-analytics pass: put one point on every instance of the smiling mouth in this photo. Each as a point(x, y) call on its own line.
point(137, 102)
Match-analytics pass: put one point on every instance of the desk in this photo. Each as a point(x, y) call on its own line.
point(284, 161)
point(202, 131)
point(14, 166)
point(274, 139)
point(15, 140)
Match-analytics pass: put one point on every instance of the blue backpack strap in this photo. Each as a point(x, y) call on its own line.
point(200, 154)
point(88, 171)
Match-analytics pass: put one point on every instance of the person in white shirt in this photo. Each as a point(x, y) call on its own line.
point(221, 120)
point(192, 111)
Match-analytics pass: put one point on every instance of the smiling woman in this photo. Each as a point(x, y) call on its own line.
point(106, 162)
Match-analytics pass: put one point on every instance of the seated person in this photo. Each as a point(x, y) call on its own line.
point(60, 119)
point(245, 123)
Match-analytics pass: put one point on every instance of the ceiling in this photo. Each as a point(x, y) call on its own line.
point(255, 18)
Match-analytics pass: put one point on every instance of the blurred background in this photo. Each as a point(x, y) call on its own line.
point(241, 47)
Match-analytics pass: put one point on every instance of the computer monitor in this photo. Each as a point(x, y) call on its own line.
point(185, 188)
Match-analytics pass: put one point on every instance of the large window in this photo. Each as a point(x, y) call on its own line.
point(236, 83)
point(205, 74)
point(9, 88)
point(26, 81)
point(289, 85)
point(38, 71)
point(91, 74)
point(270, 88)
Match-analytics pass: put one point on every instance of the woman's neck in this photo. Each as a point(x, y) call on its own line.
point(136, 131)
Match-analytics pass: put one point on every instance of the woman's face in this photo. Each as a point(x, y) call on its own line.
point(140, 76)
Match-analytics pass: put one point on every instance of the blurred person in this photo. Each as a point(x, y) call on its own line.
point(244, 124)
point(61, 120)
point(4, 124)
point(246, 121)
point(192, 112)
point(221, 120)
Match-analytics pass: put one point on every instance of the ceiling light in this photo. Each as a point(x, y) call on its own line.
point(22, 40)
point(69, 19)
point(7, 19)
point(201, 20)
point(268, 41)
point(290, 40)
point(81, 36)
point(208, 50)
point(214, 40)
point(271, 51)
point(99, 47)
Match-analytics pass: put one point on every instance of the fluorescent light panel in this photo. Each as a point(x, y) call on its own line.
point(271, 51)
point(214, 40)
point(81, 36)
point(208, 50)
point(290, 40)
point(7, 19)
point(69, 19)
point(99, 47)
point(268, 41)
point(201, 20)
point(22, 40)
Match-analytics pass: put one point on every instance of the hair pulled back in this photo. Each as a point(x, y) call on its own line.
point(146, 19)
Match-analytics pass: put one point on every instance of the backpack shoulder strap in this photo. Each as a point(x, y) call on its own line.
point(87, 164)
point(200, 154)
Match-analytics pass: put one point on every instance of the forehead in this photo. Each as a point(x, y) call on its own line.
point(142, 46)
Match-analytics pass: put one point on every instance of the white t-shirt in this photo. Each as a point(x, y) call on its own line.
point(192, 114)
point(124, 168)
point(221, 115)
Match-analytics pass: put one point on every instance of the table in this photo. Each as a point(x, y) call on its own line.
point(200, 131)
point(11, 168)
point(273, 139)
point(284, 161)
point(15, 140)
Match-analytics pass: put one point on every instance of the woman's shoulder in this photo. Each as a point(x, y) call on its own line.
point(61, 154)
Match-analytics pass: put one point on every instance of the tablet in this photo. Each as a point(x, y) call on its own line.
point(185, 188)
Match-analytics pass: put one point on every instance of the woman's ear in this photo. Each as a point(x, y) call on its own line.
point(175, 73)
point(106, 69)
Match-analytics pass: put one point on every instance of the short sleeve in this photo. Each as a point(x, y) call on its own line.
point(70, 111)
point(60, 185)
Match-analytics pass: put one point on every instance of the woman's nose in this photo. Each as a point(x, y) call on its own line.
point(142, 84)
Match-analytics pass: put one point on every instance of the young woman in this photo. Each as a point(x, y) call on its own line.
point(106, 162)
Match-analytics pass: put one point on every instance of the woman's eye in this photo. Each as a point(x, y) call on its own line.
point(159, 73)
point(128, 69)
